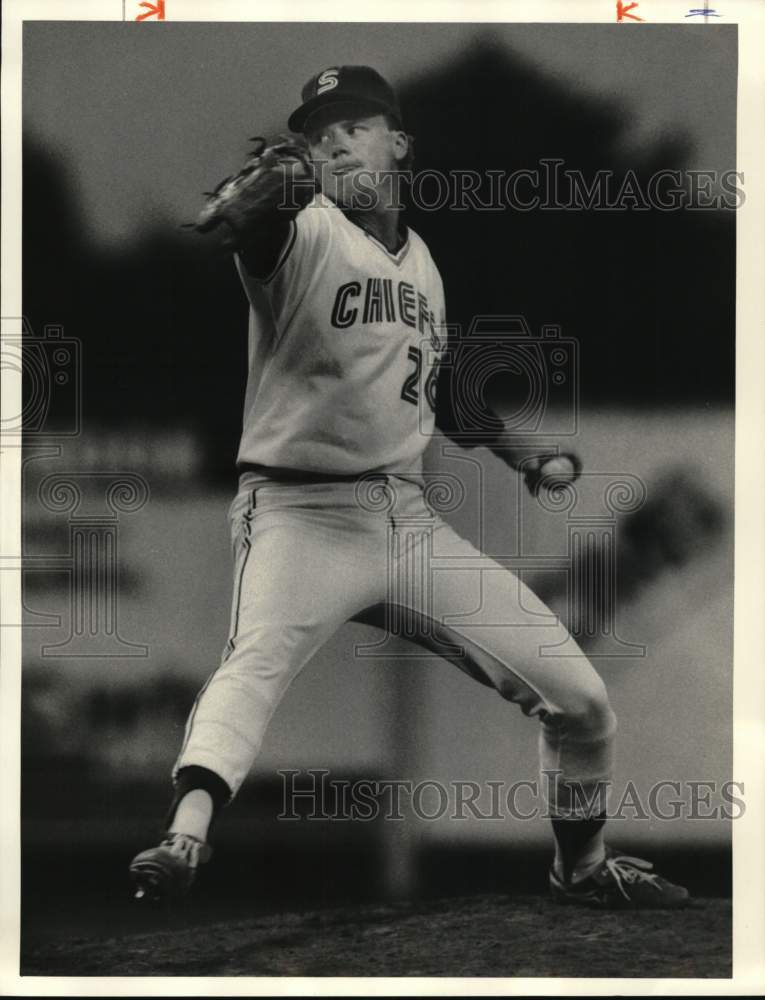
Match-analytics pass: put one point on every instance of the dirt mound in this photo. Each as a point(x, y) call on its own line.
point(477, 936)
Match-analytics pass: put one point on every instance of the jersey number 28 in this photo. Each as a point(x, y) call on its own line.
point(410, 390)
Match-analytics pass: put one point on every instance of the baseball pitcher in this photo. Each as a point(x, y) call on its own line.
point(346, 330)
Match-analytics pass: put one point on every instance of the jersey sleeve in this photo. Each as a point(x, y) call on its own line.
point(308, 243)
point(265, 247)
point(311, 234)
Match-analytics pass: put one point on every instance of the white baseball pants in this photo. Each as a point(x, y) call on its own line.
point(309, 557)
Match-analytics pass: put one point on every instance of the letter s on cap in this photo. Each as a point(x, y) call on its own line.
point(326, 81)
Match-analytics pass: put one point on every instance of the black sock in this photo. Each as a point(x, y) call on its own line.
point(192, 777)
point(573, 836)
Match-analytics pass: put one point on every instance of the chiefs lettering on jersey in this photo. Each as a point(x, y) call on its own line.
point(345, 339)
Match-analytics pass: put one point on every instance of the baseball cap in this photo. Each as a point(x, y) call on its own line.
point(343, 85)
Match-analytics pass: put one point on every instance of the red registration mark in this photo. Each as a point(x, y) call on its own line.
point(152, 10)
point(623, 10)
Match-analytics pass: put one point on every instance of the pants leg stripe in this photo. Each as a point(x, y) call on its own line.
point(237, 599)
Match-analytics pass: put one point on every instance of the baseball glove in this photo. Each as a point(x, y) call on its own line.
point(276, 177)
point(541, 471)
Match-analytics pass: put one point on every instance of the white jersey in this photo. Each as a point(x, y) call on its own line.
point(344, 343)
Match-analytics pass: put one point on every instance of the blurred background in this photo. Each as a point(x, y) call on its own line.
point(124, 126)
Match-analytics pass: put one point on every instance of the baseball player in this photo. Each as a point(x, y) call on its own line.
point(345, 335)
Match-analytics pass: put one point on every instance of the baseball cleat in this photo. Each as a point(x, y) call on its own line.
point(620, 883)
point(167, 871)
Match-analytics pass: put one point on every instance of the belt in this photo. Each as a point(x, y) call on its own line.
point(304, 476)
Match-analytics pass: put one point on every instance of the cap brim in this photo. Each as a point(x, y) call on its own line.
point(297, 120)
